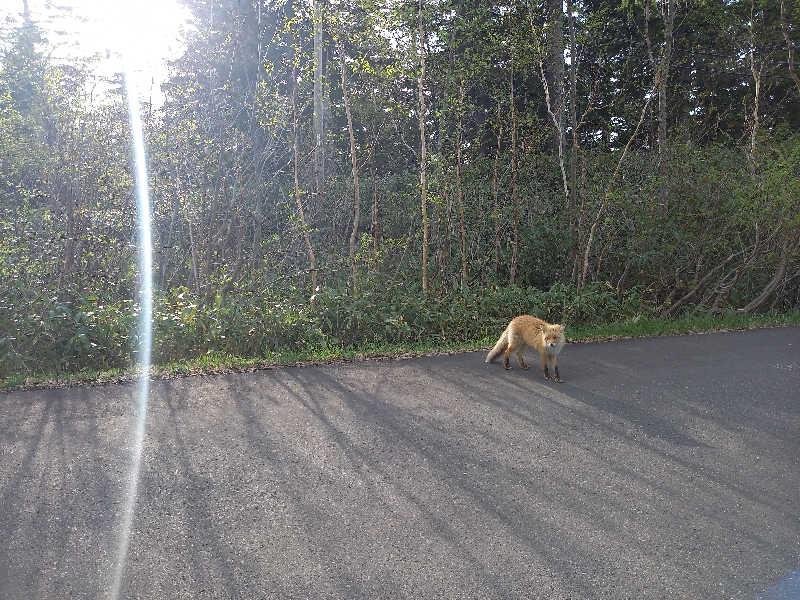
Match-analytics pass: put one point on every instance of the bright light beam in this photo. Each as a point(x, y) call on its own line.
point(145, 324)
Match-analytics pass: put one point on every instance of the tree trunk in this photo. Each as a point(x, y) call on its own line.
point(319, 108)
point(193, 248)
point(447, 200)
point(495, 191)
point(555, 65)
point(668, 13)
point(422, 156)
point(789, 48)
point(757, 74)
point(459, 190)
point(559, 125)
point(354, 166)
point(512, 274)
point(164, 264)
point(311, 258)
point(376, 232)
point(69, 239)
point(573, 161)
point(647, 33)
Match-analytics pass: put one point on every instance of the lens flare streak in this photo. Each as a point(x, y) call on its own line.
point(144, 329)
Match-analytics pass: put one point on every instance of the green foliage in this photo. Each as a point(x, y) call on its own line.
point(53, 336)
point(231, 270)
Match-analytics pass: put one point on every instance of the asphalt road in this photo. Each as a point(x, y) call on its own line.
point(661, 468)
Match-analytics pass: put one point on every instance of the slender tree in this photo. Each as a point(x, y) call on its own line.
point(423, 185)
point(555, 67)
point(789, 48)
point(354, 167)
point(319, 107)
point(495, 193)
point(459, 188)
point(512, 272)
point(296, 163)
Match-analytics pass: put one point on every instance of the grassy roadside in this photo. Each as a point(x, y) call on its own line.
point(218, 362)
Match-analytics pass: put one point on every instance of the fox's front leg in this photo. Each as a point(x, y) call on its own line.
point(557, 377)
point(543, 358)
point(521, 360)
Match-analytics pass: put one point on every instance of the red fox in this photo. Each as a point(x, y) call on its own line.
point(526, 330)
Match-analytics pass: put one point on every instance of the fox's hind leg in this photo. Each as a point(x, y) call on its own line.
point(520, 358)
point(515, 344)
point(507, 353)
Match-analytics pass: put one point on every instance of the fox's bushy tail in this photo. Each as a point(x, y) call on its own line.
point(499, 347)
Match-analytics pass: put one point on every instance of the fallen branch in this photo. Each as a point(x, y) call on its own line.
point(790, 247)
point(671, 310)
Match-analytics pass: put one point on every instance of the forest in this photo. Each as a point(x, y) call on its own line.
point(365, 174)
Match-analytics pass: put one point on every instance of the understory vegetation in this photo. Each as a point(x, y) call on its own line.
point(331, 179)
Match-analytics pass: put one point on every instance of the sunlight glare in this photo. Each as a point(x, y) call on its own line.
point(148, 32)
point(145, 312)
point(145, 33)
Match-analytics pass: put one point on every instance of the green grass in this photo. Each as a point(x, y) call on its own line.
point(220, 362)
point(651, 327)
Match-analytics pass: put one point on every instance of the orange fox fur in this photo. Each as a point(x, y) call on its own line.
point(524, 331)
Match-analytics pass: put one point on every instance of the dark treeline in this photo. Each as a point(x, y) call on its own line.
point(327, 172)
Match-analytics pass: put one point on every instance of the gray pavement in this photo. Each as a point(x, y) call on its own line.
point(661, 468)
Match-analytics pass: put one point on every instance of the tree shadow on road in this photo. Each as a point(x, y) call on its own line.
point(556, 517)
point(58, 493)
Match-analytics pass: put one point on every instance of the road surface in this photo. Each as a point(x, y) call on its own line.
point(661, 468)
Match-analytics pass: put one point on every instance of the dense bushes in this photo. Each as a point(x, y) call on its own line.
point(718, 244)
point(721, 242)
point(53, 336)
